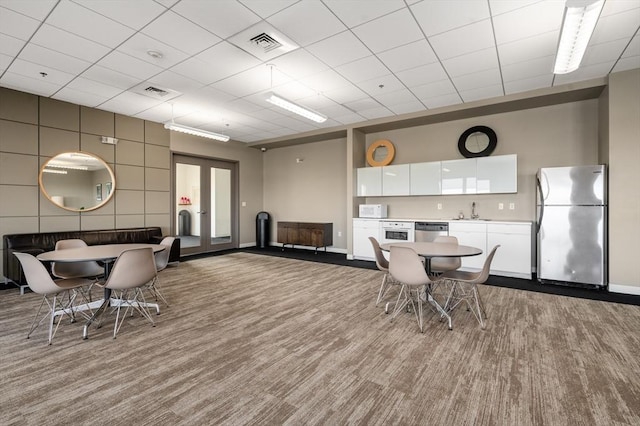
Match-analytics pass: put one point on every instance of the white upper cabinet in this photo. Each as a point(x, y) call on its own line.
point(425, 178)
point(369, 181)
point(497, 174)
point(458, 176)
point(395, 180)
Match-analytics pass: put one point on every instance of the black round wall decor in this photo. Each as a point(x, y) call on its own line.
point(477, 141)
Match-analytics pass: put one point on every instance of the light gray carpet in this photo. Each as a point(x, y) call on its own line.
point(261, 340)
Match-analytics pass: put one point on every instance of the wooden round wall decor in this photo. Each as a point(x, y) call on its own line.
point(380, 153)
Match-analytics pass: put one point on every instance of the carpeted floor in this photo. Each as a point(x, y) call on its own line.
point(264, 340)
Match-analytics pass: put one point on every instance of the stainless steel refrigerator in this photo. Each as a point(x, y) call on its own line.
point(572, 225)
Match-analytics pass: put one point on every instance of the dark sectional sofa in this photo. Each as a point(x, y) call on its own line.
point(36, 243)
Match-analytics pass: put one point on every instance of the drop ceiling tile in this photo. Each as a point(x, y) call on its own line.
point(133, 14)
point(604, 52)
point(472, 62)
point(62, 41)
point(110, 77)
point(174, 81)
point(374, 113)
point(363, 69)
point(349, 118)
point(299, 64)
point(528, 21)
point(356, 12)
point(525, 49)
point(584, 73)
point(17, 25)
point(528, 69)
point(408, 56)
point(129, 103)
point(633, 49)
point(627, 63)
point(79, 97)
point(345, 94)
point(614, 7)
point(498, 7)
point(30, 84)
point(293, 91)
point(373, 35)
point(379, 85)
point(245, 83)
point(482, 93)
point(407, 108)
point(184, 35)
point(437, 17)
point(339, 49)
point(422, 75)
point(307, 22)
point(222, 18)
point(134, 67)
point(195, 69)
point(33, 70)
point(5, 61)
point(50, 59)
point(362, 104)
point(477, 80)
point(526, 84)
point(84, 85)
point(265, 9)
point(10, 46)
point(439, 101)
point(397, 97)
point(139, 45)
point(207, 95)
point(335, 110)
point(435, 89)
point(34, 9)
point(476, 36)
point(613, 27)
point(224, 60)
point(85, 23)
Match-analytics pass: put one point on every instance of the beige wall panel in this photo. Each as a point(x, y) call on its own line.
point(129, 177)
point(129, 128)
point(59, 114)
point(157, 156)
point(92, 144)
point(130, 221)
point(18, 225)
point(18, 200)
point(157, 179)
point(156, 134)
point(55, 141)
point(107, 209)
point(156, 202)
point(129, 202)
point(20, 138)
point(97, 222)
point(47, 208)
point(17, 169)
point(129, 152)
point(18, 106)
point(312, 190)
point(97, 122)
point(250, 171)
point(59, 223)
point(161, 220)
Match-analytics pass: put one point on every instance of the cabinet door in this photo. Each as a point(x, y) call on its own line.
point(425, 178)
point(498, 174)
point(474, 235)
point(458, 176)
point(513, 258)
point(369, 181)
point(362, 230)
point(395, 180)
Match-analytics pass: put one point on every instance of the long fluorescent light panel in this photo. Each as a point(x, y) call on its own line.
point(580, 18)
point(196, 132)
point(295, 108)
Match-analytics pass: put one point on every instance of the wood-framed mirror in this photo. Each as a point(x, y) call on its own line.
point(380, 153)
point(77, 181)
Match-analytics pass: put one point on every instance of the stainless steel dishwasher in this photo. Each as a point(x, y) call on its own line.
point(428, 231)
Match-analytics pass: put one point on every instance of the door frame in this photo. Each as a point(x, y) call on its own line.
point(204, 161)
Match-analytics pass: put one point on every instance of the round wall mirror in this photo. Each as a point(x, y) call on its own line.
point(380, 153)
point(77, 181)
point(477, 141)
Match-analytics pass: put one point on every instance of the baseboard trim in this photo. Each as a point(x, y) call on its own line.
point(624, 289)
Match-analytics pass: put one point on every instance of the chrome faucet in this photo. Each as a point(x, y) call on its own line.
point(473, 211)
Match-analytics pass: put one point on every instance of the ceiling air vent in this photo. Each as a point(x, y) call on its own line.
point(266, 42)
point(155, 92)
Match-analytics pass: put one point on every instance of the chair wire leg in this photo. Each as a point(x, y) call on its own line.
point(383, 288)
point(400, 305)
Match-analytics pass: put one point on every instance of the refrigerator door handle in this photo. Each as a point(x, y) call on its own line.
point(541, 205)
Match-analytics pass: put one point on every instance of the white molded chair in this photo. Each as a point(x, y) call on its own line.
point(88, 269)
point(407, 268)
point(443, 264)
point(161, 260)
point(40, 282)
point(131, 271)
point(464, 288)
point(383, 265)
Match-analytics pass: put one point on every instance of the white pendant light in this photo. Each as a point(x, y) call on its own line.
point(193, 131)
point(578, 23)
point(295, 108)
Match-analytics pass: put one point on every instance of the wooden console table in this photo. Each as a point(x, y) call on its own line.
point(305, 234)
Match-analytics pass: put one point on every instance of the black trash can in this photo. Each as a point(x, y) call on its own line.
point(262, 229)
point(184, 223)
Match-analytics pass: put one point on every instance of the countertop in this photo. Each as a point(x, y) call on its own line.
point(448, 220)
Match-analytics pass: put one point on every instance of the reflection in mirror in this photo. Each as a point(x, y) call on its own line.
point(77, 181)
point(380, 153)
point(477, 142)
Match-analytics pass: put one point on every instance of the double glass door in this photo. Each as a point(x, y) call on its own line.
point(206, 204)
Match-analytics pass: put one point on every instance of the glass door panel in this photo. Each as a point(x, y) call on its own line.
point(220, 206)
point(188, 177)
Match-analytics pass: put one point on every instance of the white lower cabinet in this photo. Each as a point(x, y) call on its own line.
point(513, 258)
point(474, 235)
point(362, 230)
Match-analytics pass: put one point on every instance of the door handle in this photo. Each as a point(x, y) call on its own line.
point(202, 212)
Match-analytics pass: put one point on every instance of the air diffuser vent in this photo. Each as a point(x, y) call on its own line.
point(266, 42)
point(155, 92)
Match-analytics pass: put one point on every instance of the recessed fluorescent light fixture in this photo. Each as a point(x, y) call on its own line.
point(578, 23)
point(295, 108)
point(66, 166)
point(57, 172)
point(196, 132)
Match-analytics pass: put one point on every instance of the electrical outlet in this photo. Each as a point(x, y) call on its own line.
point(512, 206)
point(439, 206)
point(339, 233)
point(500, 206)
point(244, 204)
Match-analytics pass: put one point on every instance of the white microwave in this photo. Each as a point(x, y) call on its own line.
point(376, 211)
